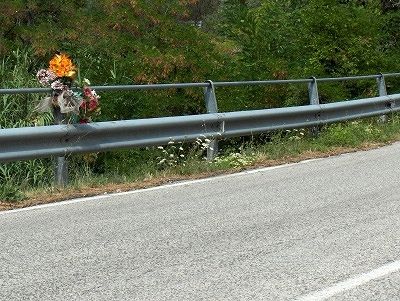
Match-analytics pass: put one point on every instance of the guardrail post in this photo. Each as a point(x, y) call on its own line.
point(212, 107)
point(382, 92)
point(313, 97)
point(313, 92)
point(61, 166)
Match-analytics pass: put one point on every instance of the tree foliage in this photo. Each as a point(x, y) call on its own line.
point(148, 41)
point(118, 41)
point(302, 38)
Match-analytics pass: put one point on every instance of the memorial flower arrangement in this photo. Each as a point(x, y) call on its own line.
point(69, 95)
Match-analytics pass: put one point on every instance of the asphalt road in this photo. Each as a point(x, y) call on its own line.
point(307, 231)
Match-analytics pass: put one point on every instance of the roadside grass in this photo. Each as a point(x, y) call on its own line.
point(18, 111)
point(124, 170)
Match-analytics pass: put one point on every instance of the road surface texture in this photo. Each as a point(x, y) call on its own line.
point(326, 229)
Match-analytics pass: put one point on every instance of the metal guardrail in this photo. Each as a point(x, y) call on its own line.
point(61, 140)
point(203, 85)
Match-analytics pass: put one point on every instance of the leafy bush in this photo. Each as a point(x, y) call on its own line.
point(11, 193)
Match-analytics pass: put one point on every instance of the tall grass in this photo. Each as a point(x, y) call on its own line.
point(16, 71)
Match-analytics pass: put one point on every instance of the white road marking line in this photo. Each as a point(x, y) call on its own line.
point(351, 283)
point(183, 183)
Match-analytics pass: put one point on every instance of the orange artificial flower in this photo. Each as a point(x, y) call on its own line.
point(62, 66)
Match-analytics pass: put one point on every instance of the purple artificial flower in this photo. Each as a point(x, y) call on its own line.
point(45, 77)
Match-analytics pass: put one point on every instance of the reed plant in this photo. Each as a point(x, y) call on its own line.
point(17, 71)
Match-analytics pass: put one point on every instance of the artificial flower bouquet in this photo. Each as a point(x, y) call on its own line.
point(69, 95)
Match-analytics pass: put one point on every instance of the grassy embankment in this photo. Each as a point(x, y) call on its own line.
point(124, 171)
